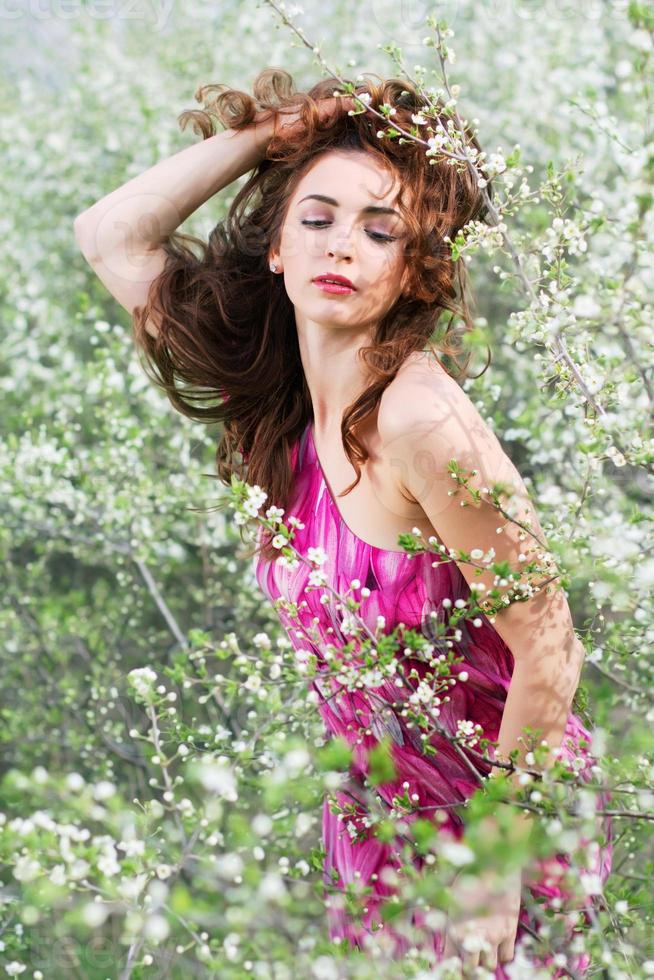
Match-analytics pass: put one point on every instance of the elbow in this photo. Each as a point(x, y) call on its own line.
point(84, 236)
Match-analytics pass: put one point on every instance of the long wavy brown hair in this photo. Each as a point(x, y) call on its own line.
point(227, 349)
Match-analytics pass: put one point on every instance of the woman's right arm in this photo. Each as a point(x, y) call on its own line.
point(120, 235)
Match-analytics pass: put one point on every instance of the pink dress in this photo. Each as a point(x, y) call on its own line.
point(407, 589)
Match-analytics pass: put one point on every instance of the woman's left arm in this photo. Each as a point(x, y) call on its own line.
point(426, 421)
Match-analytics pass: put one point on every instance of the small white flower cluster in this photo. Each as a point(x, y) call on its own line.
point(436, 143)
point(253, 683)
point(261, 641)
point(217, 777)
point(317, 555)
point(615, 456)
point(317, 577)
point(468, 732)
point(354, 825)
point(423, 694)
point(364, 97)
point(372, 678)
point(250, 507)
point(566, 232)
point(14, 968)
point(348, 625)
point(142, 679)
point(494, 165)
point(489, 237)
point(26, 869)
point(229, 866)
point(107, 862)
point(456, 853)
point(287, 562)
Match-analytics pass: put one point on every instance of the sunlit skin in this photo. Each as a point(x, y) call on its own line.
point(424, 420)
point(331, 328)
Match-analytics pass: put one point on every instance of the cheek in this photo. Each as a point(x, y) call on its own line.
point(290, 245)
point(391, 268)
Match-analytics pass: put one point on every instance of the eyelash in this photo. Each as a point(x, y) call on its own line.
point(375, 235)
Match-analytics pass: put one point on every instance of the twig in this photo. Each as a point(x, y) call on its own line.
point(161, 604)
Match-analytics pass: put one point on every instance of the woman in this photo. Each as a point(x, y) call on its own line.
point(304, 325)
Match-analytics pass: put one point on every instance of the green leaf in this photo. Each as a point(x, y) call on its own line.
point(335, 755)
point(382, 766)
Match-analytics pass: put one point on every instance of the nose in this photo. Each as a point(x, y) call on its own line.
point(340, 245)
point(337, 252)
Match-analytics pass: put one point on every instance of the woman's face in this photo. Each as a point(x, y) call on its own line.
point(342, 233)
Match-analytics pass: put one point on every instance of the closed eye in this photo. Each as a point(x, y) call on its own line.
point(377, 236)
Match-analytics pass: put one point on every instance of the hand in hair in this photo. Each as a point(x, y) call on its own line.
point(288, 119)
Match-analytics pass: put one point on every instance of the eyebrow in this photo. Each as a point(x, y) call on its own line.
point(370, 209)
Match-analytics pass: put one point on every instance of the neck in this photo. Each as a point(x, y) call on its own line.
point(334, 373)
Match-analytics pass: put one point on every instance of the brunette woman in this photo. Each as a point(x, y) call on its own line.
point(311, 325)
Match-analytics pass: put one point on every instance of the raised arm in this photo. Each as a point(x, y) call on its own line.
point(121, 234)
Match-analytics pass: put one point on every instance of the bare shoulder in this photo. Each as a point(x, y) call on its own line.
point(421, 394)
point(426, 420)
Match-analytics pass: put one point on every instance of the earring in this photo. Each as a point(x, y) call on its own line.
point(273, 267)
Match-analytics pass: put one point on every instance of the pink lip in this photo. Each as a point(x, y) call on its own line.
point(333, 287)
point(342, 280)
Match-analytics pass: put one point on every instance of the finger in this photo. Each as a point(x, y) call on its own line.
point(452, 944)
point(488, 953)
point(488, 958)
point(506, 950)
point(454, 949)
point(471, 960)
point(470, 950)
point(465, 940)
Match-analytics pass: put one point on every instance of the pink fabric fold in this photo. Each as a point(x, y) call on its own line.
point(411, 590)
